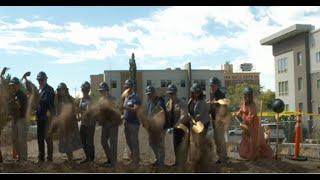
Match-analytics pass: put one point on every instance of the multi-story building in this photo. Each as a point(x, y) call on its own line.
point(296, 52)
point(160, 79)
point(232, 78)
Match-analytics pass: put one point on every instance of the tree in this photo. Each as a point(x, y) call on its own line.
point(267, 98)
point(235, 94)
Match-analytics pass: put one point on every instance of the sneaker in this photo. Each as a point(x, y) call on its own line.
point(40, 161)
point(108, 164)
point(84, 161)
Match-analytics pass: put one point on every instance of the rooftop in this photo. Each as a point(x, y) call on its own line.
point(286, 33)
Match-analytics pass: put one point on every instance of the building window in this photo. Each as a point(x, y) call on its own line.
point(149, 83)
point(182, 83)
point(169, 82)
point(300, 106)
point(113, 84)
point(282, 65)
point(299, 84)
point(299, 58)
point(318, 57)
point(283, 88)
point(318, 83)
point(163, 83)
point(287, 107)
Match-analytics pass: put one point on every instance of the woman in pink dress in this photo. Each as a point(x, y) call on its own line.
point(253, 145)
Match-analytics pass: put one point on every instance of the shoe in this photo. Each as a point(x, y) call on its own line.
point(40, 161)
point(157, 164)
point(108, 164)
point(218, 162)
point(49, 159)
point(222, 162)
point(84, 161)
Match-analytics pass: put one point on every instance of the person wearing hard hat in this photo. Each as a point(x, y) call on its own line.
point(44, 114)
point(215, 95)
point(155, 105)
point(178, 118)
point(69, 135)
point(130, 106)
point(17, 111)
point(109, 133)
point(88, 124)
point(253, 145)
point(199, 113)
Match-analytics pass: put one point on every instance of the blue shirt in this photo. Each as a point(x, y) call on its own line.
point(130, 101)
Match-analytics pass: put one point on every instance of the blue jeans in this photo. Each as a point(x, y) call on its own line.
point(109, 142)
point(132, 137)
point(87, 139)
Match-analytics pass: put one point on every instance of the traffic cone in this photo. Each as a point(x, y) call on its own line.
point(14, 154)
point(298, 136)
point(297, 139)
point(1, 160)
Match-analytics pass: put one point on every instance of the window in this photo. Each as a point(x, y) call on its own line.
point(299, 84)
point(149, 82)
point(182, 83)
point(163, 83)
point(287, 107)
point(317, 57)
point(299, 58)
point(318, 83)
point(169, 82)
point(286, 88)
point(282, 65)
point(301, 106)
point(113, 84)
point(283, 88)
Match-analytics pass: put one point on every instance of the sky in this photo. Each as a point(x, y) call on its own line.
point(70, 43)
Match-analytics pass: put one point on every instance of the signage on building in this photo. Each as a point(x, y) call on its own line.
point(246, 66)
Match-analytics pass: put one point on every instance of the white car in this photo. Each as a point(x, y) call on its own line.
point(236, 131)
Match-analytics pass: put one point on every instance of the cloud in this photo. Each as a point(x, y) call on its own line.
point(174, 32)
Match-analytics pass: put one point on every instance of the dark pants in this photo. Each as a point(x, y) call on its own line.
point(87, 139)
point(180, 146)
point(42, 134)
point(109, 142)
point(132, 137)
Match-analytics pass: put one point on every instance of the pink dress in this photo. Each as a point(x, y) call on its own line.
point(252, 146)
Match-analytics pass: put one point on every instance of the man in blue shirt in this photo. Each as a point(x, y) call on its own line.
point(132, 124)
point(44, 113)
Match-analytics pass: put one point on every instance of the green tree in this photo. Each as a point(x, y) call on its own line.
point(95, 95)
point(267, 98)
point(235, 94)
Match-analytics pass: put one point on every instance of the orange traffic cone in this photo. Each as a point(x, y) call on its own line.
point(14, 154)
point(297, 140)
point(298, 136)
point(1, 160)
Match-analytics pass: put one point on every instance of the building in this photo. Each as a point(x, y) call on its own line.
point(96, 80)
point(296, 52)
point(160, 79)
point(245, 76)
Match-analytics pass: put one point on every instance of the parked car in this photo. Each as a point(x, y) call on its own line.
point(236, 131)
point(273, 128)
